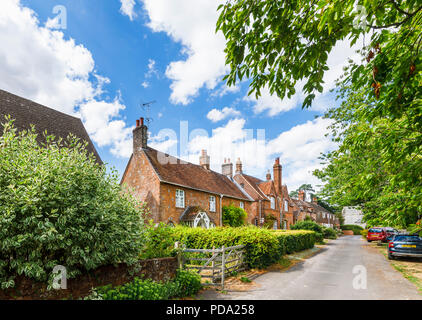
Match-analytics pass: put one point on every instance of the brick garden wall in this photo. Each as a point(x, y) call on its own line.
point(161, 269)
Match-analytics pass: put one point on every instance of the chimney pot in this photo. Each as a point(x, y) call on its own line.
point(140, 136)
point(238, 166)
point(204, 160)
point(227, 168)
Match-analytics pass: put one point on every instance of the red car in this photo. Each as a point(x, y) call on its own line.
point(376, 234)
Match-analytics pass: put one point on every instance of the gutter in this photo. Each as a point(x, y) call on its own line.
point(221, 210)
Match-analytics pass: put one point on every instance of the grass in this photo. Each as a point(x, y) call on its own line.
point(411, 269)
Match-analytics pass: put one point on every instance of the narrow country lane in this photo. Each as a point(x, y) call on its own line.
point(329, 275)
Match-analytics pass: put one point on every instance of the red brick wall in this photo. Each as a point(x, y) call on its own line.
point(140, 179)
point(192, 198)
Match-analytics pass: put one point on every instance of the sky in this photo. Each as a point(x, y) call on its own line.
point(102, 60)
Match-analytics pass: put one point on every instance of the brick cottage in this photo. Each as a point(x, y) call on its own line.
point(177, 191)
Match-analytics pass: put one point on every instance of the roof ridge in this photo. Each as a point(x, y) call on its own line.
point(39, 104)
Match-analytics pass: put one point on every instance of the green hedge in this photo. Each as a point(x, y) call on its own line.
point(356, 229)
point(295, 240)
point(263, 247)
point(185, 284)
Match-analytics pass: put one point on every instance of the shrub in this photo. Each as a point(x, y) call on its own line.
point(329, 233)
point(356, 229)
point(307, 225)
point(158, 242)
point(186, 283)
point(296, 240)
point(364, 233)
point(234, 216)
point(59, 207)
point(263, 247)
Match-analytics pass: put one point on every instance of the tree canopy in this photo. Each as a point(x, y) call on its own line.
point(284, 46)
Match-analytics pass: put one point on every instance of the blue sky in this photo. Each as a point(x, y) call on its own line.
point(114, 55)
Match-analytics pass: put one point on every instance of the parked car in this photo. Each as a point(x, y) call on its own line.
point(391, 231)
point(405, 246)
point(376, 234)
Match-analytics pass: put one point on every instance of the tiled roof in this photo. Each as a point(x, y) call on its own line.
point(190, 175)
point(26, 112)
point(310, 205)
point(254, 182)
point(266, 187)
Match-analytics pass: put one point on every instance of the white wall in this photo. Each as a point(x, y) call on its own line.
point(353, 216)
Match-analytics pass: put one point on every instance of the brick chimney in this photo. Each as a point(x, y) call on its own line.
point(204, 160)
point(277, 172)
point(314, 200)
point(140, 136)
point(268, 176)
point(301, 195)
point(227, 168)
point(238, 166)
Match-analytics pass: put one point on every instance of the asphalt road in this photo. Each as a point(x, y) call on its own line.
point(329, 275)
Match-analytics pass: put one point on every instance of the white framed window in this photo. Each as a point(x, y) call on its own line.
point(212, 203)
point(272, 203)
point(286, 205)
point(242, 205)
point(180, 198)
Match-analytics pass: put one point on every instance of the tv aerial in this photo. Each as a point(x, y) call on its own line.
point(147, 108)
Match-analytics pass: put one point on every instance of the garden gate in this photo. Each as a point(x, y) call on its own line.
point(213, 265)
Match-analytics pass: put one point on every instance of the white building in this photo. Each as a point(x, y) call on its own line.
point(352, 215)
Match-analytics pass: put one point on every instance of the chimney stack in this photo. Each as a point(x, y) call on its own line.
point(277, 173)
point(204, 160)
point(140, 136)
point(314, 200)
point(227, 168)
point(238, 166)
point(301, 195)
point(268, 175)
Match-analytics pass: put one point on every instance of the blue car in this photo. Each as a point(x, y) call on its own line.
point(405, 246)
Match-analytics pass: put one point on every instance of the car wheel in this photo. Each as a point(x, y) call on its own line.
point(390, 256)
point(369, 240)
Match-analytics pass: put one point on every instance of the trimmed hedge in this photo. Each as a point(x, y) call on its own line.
point(295, 240)
point(263, 247)
point(356, 229)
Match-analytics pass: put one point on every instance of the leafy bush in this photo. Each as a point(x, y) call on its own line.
point(234, 216)
point(59, 207)
point(296, 240)
point(269, 221)
point(263, 247)
point(364, 233)
point(186, 283)
point(158, 242)
point(356, 229)
point(307, 225)
point(329, 233)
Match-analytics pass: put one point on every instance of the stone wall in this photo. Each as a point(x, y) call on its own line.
point(161, 269)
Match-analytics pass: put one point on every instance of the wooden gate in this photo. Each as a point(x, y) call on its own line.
point(213, 265)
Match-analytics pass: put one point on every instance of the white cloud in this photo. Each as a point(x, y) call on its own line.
point(151, 69)
point(39, 64)
point(272, 103)
point(216, 115)
point(145, 84)
point(298, 149)
point(128, 8)
point(192, 23)
point(337, 60)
